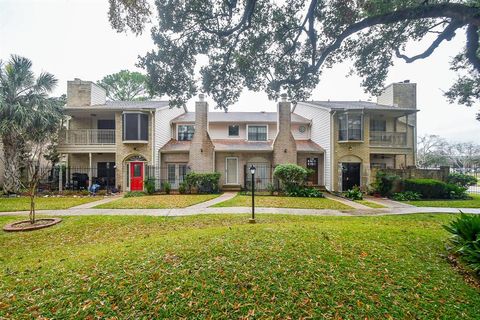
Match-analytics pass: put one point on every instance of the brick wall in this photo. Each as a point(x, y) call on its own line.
point(284, 146)
point(201, 150)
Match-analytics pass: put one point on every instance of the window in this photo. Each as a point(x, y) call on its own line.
point(350, 127)
point(257, 133)
point(185, 132)
point(135, 127)
point(378, 125)
point(233, 130)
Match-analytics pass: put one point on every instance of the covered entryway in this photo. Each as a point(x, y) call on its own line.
point(312, 164)
point(350, 175)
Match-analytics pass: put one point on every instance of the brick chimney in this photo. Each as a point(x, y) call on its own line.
point(84, 94)
point(401, 95)
point(201, 149)
point(284, 146)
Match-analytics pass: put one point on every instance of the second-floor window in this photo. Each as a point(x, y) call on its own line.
point(185, 132)
point(233, 130)
point(257, 133)
point(378, 125)
point(135, 127)
point(350, 127)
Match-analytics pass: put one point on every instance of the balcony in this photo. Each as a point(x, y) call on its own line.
point(388, 139)
point(89, 140)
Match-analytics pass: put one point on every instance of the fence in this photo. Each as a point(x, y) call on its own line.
point(78, 178)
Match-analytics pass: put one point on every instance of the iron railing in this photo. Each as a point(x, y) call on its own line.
point(87, 137)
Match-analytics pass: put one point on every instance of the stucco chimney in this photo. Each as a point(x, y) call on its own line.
point(201, 149)
point(284, 146)
point(84, 93)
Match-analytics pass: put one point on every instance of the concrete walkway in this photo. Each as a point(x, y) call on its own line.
point(223, 197)
point(346, 202)
point(96, 203)
point(244, 210)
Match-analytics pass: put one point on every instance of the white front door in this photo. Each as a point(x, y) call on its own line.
point(231, 170)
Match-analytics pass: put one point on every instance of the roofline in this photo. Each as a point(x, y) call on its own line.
point(357, 108)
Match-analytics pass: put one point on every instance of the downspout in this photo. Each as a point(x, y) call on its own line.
point(153, 137)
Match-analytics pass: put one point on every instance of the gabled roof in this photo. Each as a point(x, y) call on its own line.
point(239, 145)
point(355, 105)
point(239, 117)
point(124, 105)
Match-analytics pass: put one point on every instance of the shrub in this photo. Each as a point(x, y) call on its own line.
point(203, 182)
point(406, 196)
point(354, 194)
point(167, 187)
point(182, 188)
point(131, 194)
point(271, 188)
point(150, 185)
point(305, 192)
point(292, 177)
point(461, 180)
point(465, 239)
point(435, 189)
point(384, 183)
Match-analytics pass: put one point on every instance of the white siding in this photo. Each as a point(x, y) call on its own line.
point(163, 129)
point(320, 134)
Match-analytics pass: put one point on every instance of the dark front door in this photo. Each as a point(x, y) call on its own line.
point(312, 164)
point(350, 175)
point(136, 176)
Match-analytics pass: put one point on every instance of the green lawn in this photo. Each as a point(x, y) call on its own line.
point(51, 203)
point(222, 267)
point(283, 202)
point(370, 204)
point(158, 201)
point(473, 203)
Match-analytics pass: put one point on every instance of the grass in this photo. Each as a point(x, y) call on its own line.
point(50, 203)
point(283, 202)
point(472, 203)
point(370, 204)
point(158, 201)
point(218, 266)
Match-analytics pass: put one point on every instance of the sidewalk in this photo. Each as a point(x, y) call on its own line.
point(194, 210)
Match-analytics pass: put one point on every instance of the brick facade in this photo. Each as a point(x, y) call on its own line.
point(284, 146)
point(201, 149)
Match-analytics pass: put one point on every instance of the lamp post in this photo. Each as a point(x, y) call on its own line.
point(252, 171)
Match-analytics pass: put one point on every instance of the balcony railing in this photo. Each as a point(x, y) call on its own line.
point(88, 137)
point(382, 138)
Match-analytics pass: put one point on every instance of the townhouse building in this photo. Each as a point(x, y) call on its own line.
point(122, 143)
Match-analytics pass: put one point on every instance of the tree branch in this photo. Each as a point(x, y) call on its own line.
point(447, 35)
point(472, 46)
point(462, 13)
point(246, 18)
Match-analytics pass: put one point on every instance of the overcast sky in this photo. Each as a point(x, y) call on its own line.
point(73, 39)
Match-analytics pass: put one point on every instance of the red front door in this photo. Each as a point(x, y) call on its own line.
point(136, 176)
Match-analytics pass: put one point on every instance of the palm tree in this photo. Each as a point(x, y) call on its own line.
point(26, 114)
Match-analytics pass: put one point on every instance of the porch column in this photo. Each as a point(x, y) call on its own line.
point(60, 176)
point(90, 171)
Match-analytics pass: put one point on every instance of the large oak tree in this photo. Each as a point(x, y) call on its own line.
point(276, 46)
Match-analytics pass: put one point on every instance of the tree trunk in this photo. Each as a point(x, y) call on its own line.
point(33, 192)
point(11, 160)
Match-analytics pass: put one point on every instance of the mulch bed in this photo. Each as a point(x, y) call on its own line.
point(467, 275)
point(25, 225)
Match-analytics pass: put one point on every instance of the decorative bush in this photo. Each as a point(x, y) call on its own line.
point(150, 186)
point(292, 177)
point(271, 188)
point(182, 188)
point(167, 187)
point(354, 194)
point(203, 182)
point(461, 180)
point(384, 183)
point(305, 192)
point(435, 189)
point(131, 194)
point(465, 239)
point(407, 196)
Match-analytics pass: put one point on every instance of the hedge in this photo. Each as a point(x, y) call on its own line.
point(435, 189)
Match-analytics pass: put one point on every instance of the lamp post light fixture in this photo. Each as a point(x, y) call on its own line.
point(252, 171)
